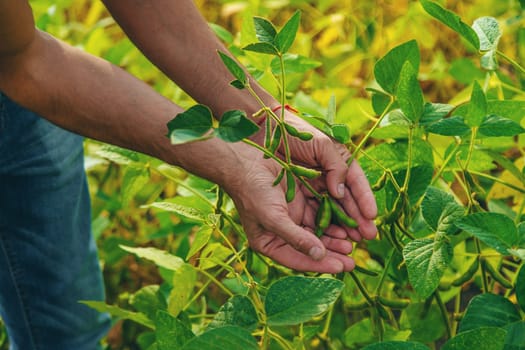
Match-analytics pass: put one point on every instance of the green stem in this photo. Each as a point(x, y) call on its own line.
point(445, 163)
point(511, 61)
point(369, 133)
point(495, 179)
point(282, 342)
point(484, 279)
point(216, 281)
point(384, 272)
point(457, 307)
point(287, 155)
point(444, 313)
point(362, 289)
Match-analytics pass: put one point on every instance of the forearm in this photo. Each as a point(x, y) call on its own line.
point(175, 37)
point(91, 97)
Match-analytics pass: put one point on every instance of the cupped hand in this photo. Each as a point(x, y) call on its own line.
point(280, 230)
point(347, 184)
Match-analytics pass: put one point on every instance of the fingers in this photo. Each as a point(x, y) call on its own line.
point(358, 184)
point(286, 255)
point(334, 166)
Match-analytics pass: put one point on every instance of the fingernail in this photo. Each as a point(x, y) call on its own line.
point(341, 190)
point(316, 253)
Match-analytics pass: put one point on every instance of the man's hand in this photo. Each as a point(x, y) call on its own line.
point(346, 183)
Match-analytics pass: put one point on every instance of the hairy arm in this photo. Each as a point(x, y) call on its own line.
point(175, 37)
point(92, 97)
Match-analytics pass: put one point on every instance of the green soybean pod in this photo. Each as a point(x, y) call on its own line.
point(496, 275)
point(305, 135)
point(323, 216)
point(276, 140)
point(394, 303)
point(290, 184)
point(341, 216)
point(279, 178)
point(292, 131)
point(303, 171)
point(467, 275)
point(380, 183)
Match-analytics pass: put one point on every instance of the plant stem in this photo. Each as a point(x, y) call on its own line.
point(369, 133)
point(282, 342)
point(444, 313)
point(362, 289)
point(511, 61)
point(383, 273)
point(287, 155)
point(484, 279)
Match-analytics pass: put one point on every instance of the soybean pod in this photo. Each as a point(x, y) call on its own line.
point(323, 216)
point(290, 184)
point(340, 216)
point(496, 275)
point(467, 275)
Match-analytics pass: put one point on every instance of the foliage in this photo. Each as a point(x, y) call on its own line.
point(435, 116)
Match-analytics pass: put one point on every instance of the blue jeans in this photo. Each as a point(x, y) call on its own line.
point(48, 259)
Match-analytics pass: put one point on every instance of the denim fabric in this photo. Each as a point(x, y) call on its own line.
point(48, 259)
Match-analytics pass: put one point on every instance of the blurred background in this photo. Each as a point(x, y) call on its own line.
point(338, 42)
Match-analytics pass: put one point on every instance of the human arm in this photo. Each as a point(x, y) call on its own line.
point(174, 36)
point(91, 97)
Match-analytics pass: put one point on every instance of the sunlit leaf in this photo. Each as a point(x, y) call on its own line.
point(171, 333)
point(477, 109)
point(118, 312)
point(237, 311)
point(286, 36)
point(426, 261)
point(160, 257)
point(183, 281)
point(485, 338)
point(488, 310)
point(190, 125)
point(295, 299)
point(264, 30)
point(234, 68)
point(409, 94)
point(387, 70)
point(235, 126)
point(451, 20)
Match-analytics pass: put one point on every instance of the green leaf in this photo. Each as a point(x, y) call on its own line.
point(520, 287)
point(235, 126)
point(496, 230)
point(171, 333)
point(433, 112)
point(294, 63)
point(511, 109)
point(341, 133)
point(515, 339)
point(134, 179)
point(184, 279)
point(453, 126)
point(397, 345)
point(266, 48)
point(202, 236)
point(362, 333)
point(264, 30)
point(426, 262)
point(488, 310)
point(451, 20)
point(296, 299)
point(425, 323)
point(331, 109)
point(190, 125)
point(228, 337)
point(213, 254)
point(118, 155)
point(485, 338)
point(388, 69)
point(451, 213)
point(148, 300)
point(118, 312)
point(477, 107)
point(237, 311)
point(159, 257)
point(186, 211)
point(494, 126)
point(222, 33)
point(409, 94)
point(489, 33)
point(234, 68)
point(286, 36)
